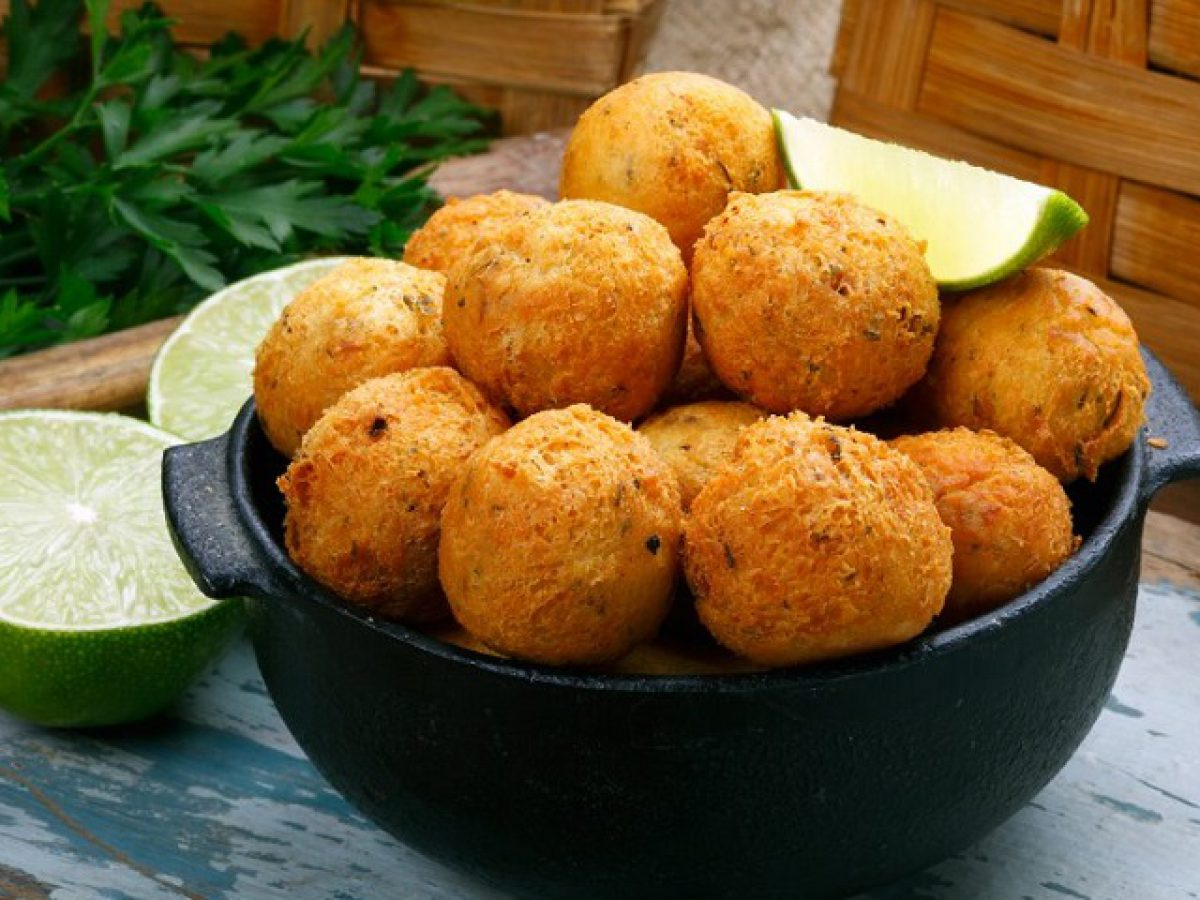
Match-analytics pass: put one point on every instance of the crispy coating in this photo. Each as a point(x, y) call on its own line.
point(560, 540)
point(813, 301)
point(575, 302)
point(367, 318)
point(453, 230)
point(814, 542)
point(672, 145)
point(697, 439)
point(1009, 519)
point(695, 380)
point(365, 493)
point(1045, 358)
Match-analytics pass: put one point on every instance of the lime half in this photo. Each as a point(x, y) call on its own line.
point(99, 621)
point(204, 372)
point(978, 226)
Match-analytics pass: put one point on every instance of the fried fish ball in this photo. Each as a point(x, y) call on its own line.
point(1045, 358)
point(576, 302)
point(365, 493)
point(560, 539)
point(453, 230)
point(813, 301)
point(695, 381)
point(364, 319)
point(672, 145)
point(814, 542)
point(697, 439)
point(1009, 519)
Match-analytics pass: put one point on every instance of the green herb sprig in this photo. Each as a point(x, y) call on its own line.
point(156, 176)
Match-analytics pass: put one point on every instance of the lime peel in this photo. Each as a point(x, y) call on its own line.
point(978, 226)
point(99, 621)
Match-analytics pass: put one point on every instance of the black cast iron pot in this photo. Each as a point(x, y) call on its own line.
point(801, 783)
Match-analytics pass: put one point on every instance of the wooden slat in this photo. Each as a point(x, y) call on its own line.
point(203, 21)
point(1115, 30)
point(321, 18)
point(887, 51)
point(1110, 29)
point(1156, 242)
point(878, 120)
point(641, 31)
point(573, 54)
point(1175, 35)
point(1038, 16)
point(1171, 549)
point(570, 6)
point(1096, 192)
point(1182, 500)
point(1010, 86)
point(851, 11)
point(105, 373)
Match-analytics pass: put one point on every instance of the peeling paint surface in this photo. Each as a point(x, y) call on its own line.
point(216, 800)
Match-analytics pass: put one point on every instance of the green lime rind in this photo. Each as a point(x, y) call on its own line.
point(80, 679)
point(781, 145)
point(1059, 219)
point(100, 623)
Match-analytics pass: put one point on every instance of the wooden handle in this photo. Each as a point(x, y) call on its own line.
point(104, 373)
point(110, 372)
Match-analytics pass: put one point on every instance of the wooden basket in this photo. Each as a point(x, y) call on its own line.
point(539, 62)
point(1100, 98)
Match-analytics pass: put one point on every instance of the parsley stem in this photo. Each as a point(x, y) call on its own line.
point(76, 120)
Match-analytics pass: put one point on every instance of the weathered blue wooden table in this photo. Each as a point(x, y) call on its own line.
point(215, 800)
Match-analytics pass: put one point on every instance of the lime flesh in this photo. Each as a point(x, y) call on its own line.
point(203, 373)
point(978, 226)
point(99, 621)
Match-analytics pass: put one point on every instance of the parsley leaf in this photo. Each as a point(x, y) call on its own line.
point(164, 175)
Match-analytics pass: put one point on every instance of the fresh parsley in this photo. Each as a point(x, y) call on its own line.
point(135, 177)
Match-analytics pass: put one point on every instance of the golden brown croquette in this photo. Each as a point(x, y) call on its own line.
point(695, 381)
point(815, 541)
point(672, 145)
point(1009, 519)
point(364, 319)
point(575, 302)
point(364, 494)
point(560, 539)
point(813, 301)
point(452, 231)
point(697, 439)
point(1045, 358)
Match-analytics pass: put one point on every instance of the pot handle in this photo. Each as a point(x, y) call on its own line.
point(208, 533)
point(1172, 429)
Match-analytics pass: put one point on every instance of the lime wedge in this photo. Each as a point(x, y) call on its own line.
point(204, 372)
point(978, 226)
point(99, 621)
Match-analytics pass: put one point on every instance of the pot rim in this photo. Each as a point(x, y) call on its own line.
point(1122, 510)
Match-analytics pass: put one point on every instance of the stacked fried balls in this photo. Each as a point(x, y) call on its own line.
point(626, 429)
